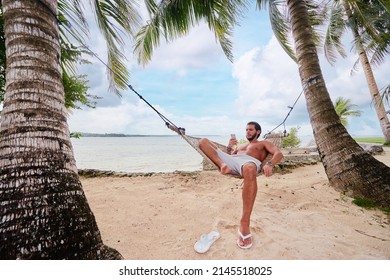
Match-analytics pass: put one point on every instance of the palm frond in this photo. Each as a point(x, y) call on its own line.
point(385, 4)
point(355, 66)
point(71, 57)
point(362, 17)
point(146, 40)
point(119, 69)
point(280, 26)
point(317, 15)
point(173, 19)
point(334, 33)
point(385, 94)
point(224, 15)
point(72, 20)
point(115, 19)
point(344, 109)
point(379, 46)
point(379, 51)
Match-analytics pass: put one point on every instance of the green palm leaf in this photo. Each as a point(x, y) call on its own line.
point(336, 29)
point(344, 109)
point(280, 26)
point(173, 19)
point(125, 15)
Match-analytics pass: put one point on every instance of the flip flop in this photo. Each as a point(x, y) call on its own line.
point(206, 240)
point(249, 235)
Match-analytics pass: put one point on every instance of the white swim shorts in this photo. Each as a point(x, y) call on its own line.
point(235, 162)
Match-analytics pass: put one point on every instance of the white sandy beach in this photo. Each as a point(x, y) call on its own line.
point(296, 216)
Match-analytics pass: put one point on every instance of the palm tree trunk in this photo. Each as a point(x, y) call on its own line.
point(349, 168)
point(372, 86)
point(44, 212)
point(374, 91)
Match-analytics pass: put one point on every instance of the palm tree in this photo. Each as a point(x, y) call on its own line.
point(44, 211)
point(344, 109)
point(369, 22)
point(73, 25)
point(348, 167)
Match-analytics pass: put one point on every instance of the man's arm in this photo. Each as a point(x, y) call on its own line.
point(277, 156)
point(276, 153)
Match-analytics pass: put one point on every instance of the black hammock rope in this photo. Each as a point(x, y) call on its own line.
point(306, 83)
point(168, 123)
point(67, 27)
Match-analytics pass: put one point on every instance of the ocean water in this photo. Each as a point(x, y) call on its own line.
point(138, 154)
point(141, 154)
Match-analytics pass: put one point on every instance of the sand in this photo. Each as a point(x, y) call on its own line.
point(297, 216)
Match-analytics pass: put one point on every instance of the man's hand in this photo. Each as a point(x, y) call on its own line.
point(232, 142)
point(267, 170)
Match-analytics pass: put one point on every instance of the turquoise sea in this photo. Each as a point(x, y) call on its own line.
point(138, 154)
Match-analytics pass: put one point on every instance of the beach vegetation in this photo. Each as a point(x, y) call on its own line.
point(373, 140)
point(344, 109)
point(369, 204)
point(75, 86)
point(365, 203)
point(75, 135)
point(291, 140)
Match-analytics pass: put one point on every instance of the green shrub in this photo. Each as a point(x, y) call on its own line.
point(292, 140)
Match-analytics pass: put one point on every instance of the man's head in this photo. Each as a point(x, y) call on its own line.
point(253, 131)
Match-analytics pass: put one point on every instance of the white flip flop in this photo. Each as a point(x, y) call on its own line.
point(243, 239)
point(205, 241)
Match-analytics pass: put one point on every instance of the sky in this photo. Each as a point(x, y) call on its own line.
point(193, 84)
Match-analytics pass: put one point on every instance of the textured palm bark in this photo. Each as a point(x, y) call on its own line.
point(44, 211)
point(348, 167)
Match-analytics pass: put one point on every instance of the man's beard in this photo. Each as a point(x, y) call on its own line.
point(251, 138)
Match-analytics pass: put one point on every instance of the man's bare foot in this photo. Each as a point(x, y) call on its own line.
point(225, 169)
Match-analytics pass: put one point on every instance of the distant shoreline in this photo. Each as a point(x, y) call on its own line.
point(87, 134)
point(91, 173)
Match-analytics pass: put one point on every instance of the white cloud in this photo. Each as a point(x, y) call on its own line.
point(268, 82)
point(340, 82)
point(197, 50)
point(139, 118)
point(129, 118)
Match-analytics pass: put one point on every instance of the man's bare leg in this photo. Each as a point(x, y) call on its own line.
point(249, 193)
point(210, 150)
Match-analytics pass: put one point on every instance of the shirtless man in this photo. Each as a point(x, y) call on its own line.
point(245, 161)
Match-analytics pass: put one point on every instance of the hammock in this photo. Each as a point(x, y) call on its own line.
point(274, 138)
